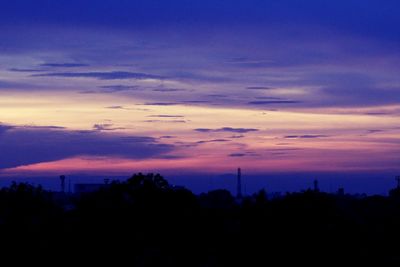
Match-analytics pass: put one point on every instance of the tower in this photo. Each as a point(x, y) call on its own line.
point(316, 188)
point(239, 183)
point(398, 182)
point(62, 179)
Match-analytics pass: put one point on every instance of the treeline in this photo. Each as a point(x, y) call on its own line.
point(145, 221)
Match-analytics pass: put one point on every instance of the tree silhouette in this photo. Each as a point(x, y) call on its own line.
point(146, 221)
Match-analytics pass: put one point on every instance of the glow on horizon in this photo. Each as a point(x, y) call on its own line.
point(346, 141)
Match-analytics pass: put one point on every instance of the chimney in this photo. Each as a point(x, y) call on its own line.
point(316, 188)
point(239, 183)
point(62, 179)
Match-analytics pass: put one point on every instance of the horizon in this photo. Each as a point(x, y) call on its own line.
point(356, 183)
point(291, 91)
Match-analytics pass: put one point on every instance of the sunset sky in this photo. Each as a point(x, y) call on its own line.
point(199, 87)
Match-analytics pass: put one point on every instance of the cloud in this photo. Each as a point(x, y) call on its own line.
point(106, 127)
point(196, 101)
point(63, 65)
point(167, 137)
point(112, 75)
point(252, 63)
point(244, 154)
point(4, 128)
point(171, 157)
point(377, 113)
point(269, 102)
point(237, 155)
point(118, 88)
point(268, 97)
point(40, 127)
point(170, 121)
point(212, 141)
point(23, 145)
point(166, 116)
point(217, 95)
point(25, 70)
point(115, 107)
point(237, 136)
point(258, 88)
point(226, 129)
point(306, 136)
point(375, 131)
point(204, 130)
point(161, 104)
point(287, 149)
point(168, 90)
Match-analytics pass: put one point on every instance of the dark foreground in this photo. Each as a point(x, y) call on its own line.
point(146, 222)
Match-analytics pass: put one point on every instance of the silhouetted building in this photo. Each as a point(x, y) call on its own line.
point(62, 180)
point(239, 183)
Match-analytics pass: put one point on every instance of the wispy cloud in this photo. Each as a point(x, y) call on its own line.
point(269, 102)
point(115, 107)
point(26, 70)
point(166, 121)
point(112, 75)
point(377, 113)
point(268, 97)
point(118, 88)
point(196, 101)
point(167, 137)
point(251, 62)
point(306, 136)
point(258, 88)
point(226, 129)
point(237, 136)
point(168, 90)
point(244, 154)
point(372, 131)
point(106, 127)
point(212, 141)
point(161, 103)
point(237, 155)
point(63, 65)
point(217, 95)
point(166, 116)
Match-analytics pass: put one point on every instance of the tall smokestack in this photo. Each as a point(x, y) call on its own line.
point(62, 179)
point(239, 183)
point(316, 187)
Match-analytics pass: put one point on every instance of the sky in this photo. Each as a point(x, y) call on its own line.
point(199, 88)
